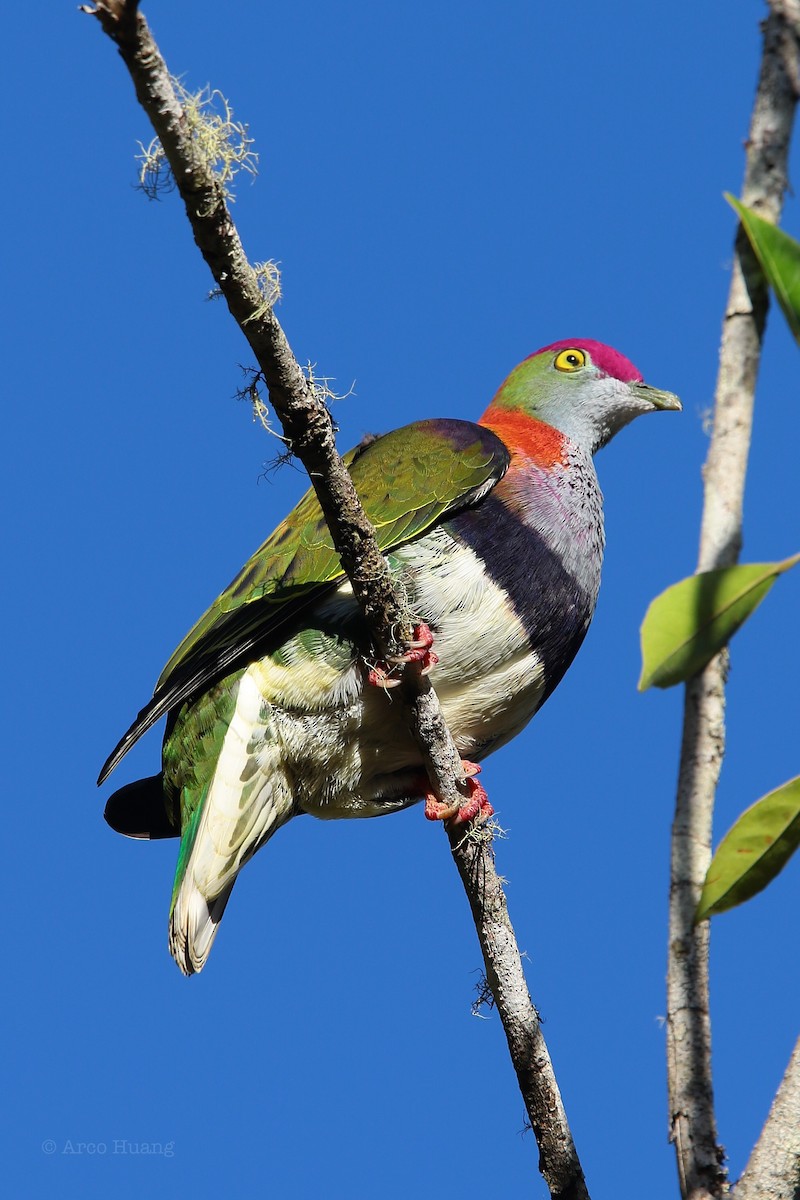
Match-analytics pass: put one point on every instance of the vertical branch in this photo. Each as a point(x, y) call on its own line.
point(691, 1099)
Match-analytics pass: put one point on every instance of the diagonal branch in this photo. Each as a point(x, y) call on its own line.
point(558, 1162)
point(691, 1098)
point(773, 1172)
point(309, 433)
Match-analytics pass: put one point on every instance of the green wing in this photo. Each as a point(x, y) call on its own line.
point(406, 480)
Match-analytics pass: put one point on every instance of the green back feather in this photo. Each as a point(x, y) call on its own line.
point(406, 481)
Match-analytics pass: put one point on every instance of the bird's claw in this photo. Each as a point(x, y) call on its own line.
point(383, 675)
point(475, 804)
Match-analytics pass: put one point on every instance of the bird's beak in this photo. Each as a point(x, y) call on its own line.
point(654, 396)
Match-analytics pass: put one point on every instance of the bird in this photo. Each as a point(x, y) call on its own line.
point(276, 702)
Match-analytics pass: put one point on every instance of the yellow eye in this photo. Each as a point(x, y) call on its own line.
point(570, 360)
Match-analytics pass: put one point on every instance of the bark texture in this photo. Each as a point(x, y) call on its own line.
point(773, 1172)
point(691, 1100)
point(558, 1161)
point(309, 434)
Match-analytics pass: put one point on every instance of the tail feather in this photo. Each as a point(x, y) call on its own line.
point(193, 925)
point(139, 810)
point(248, 797)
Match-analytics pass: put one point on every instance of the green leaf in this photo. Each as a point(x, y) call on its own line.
point(753, 851)
point(779, 256)
point(691, 621)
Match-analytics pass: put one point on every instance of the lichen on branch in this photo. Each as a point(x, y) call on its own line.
point(219, 143)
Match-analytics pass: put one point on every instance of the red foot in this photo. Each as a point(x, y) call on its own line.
point(476, 803)
point(419, 651)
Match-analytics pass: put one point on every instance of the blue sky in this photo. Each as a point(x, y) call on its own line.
point(447, 187)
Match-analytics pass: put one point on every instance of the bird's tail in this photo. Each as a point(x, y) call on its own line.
point(214, 848)
point(193, 925)
point(247, 798)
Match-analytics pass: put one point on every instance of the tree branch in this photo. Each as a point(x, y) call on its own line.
point(691, 1099)
point(773, 1172)
point(558, 1160)
point(309, 433)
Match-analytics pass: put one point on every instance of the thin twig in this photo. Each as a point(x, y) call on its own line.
point(309, 433)
point(306, 421)
point(559, 1162)
point(691, 1100)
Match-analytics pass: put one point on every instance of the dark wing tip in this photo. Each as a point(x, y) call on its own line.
point(139, 811)
point(120, 750)
point(112, 760)
point(161, 702)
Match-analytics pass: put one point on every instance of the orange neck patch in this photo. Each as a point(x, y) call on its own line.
point(526, 435)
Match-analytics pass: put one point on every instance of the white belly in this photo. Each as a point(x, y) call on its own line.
point(345, 741)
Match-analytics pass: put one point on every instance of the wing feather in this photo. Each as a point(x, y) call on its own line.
point(407, 480)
